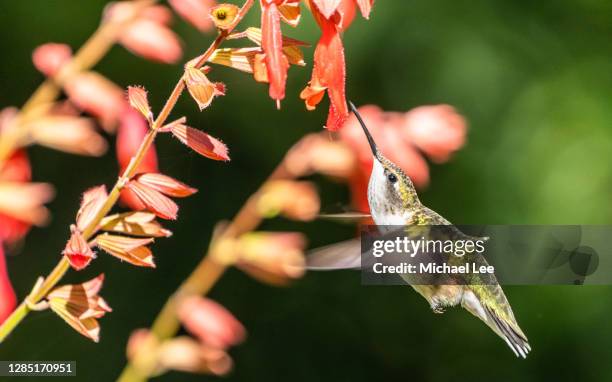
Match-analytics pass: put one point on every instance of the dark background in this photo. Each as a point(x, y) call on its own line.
point(532, 78)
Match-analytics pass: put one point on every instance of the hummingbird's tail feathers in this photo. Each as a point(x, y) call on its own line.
point(514, 338)
point(502, 322)
point(343, 255)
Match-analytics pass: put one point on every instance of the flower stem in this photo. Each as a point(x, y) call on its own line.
point(63, 265)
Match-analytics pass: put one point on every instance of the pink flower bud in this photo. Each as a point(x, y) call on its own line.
point(95, 94)
point(196, 12)
point(437, 130)
point(8, 300)
point(210, 322)
point(152, 40)
point(158, 13)
point(49, 58)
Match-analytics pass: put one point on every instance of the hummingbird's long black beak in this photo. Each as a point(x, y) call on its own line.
point(365, 129)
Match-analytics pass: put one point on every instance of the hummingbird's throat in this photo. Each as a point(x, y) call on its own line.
point(387, 203)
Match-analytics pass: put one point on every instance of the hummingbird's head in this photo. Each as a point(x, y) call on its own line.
point(391, 194)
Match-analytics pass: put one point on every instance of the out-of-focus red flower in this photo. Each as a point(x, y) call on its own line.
point(296, 200)
point(147, 35)
point(187, 355)
point(158, 13)
point(96, 95)
point(8, 299)
point(16, 168)
point(437, 131)
point(196, 12)
point(20, 201)
point(49, 58)
point(181, 353)
point(210, 322)
point(317, 153)
point(132, 129)
point(153, 41)
point(272, 257)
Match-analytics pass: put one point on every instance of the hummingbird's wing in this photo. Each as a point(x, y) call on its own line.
point(343, 255)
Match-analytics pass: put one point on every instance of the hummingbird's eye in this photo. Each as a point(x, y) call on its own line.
point(392, 178)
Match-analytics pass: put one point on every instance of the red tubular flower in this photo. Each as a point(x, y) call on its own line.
point(132, 129)
point(8, 300)
point(329, 67)
point(272, 45)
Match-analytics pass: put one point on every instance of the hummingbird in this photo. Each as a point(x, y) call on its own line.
point(393, 201)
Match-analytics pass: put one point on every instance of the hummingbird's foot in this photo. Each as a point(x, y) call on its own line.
point(437, 307)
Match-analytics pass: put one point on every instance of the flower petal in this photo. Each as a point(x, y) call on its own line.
point(134, 223)
point(199, 86)
point(327, 7)
point(138, 100)
point(365, 6)
point(79, 305)
point(254, 34)
point(290, 13)
point(77, 251)
point(154, 200)
point(92, 201)
point(166, 185)
point(129, 249)
point(201, 142)
point(237, 58)
point(272, 45)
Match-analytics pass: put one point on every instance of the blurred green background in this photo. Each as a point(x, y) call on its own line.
point(532, 78)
